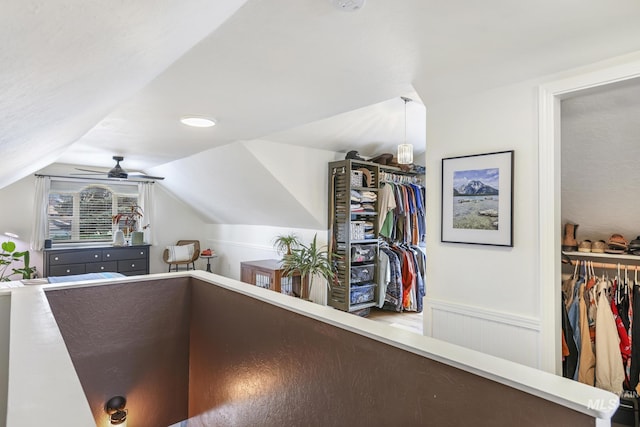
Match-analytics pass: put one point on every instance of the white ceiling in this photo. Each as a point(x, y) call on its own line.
point(84, 81)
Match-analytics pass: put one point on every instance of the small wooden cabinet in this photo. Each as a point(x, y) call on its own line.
point(128, 260)
point(268, 274)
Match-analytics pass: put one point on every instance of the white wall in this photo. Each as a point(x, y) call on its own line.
point(489, 298)
point(473, 290)
point(16, 216)
point(237, 243)
point(5, 315)
point(174, 220)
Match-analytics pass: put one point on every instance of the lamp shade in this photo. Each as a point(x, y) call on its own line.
point(405, 154)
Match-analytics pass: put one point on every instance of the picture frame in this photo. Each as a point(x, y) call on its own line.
point(477, 199)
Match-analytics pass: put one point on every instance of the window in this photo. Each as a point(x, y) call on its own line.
point(82, 211)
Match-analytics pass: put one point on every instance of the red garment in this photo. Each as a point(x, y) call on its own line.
point(408, 279)
point(625, 344)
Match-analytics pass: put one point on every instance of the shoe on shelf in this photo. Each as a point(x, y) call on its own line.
point(598, 247)
point(569, 242)
point(584, 246)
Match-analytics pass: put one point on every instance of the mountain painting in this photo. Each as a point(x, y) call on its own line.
point(475, 199)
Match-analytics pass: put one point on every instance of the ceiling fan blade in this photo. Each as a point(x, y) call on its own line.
point(87, 174)
point(89, 170)
point(144, 176)
point(117, 172)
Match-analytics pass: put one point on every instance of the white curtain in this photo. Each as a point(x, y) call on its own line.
point(39, 226)
point(145, 198)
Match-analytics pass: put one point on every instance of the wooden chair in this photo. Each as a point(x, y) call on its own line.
point(192, 261)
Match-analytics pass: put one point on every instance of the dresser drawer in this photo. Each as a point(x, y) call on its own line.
point(75, 257)
point(131, 265)
point(102, 267)
point(120, 254)
point(66, 270)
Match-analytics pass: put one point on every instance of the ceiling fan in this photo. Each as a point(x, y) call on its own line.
point(118, 173)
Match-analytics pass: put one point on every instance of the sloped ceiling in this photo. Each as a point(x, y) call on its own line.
point(84, 81)
point(66, 65)
point(253, 183)
point(596, 128)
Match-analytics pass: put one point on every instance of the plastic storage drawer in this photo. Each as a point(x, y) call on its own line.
point(362, 273)
point(363, 293)
point(363, 253)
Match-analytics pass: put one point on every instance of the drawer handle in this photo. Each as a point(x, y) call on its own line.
point(68, 271)
point(141, 252)
point(56, 258)
point(108, 255)
point(95, 256)
point(133, 265)
point(101, 268)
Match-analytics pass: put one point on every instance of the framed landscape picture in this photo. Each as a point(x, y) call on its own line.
point(477, 199)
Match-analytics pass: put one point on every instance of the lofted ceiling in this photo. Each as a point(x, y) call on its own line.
point(600, 152)
point(82, 81)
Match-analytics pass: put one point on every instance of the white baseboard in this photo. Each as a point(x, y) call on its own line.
point(501, 334)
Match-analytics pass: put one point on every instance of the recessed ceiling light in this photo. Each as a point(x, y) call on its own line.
point(199, 122)
point(348, 5)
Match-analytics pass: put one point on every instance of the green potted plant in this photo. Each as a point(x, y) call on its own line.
point(285, 242)
point(129, 221)
point(310, 261)
point(8, 256)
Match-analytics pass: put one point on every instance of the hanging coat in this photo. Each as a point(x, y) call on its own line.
point(609, 368)
point(587, 364)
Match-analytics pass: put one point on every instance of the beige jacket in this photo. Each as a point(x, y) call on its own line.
point(609, 368)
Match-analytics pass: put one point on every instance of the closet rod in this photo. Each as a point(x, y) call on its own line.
point(605, 265)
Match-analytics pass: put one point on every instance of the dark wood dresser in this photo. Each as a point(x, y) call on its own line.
point(128, 260)
point(269, 274)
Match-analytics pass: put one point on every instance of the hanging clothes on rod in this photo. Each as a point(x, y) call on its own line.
point(401, 211)
point(401, 279)
point(598, 315)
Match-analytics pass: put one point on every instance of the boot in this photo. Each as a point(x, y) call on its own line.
point(569, 242)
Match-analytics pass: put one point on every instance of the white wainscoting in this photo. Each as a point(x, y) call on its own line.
point(500, 334)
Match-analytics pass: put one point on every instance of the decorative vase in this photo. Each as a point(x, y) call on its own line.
point(118, 238)
point(137, 238)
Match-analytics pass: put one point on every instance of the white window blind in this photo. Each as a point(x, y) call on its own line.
point(80, 211)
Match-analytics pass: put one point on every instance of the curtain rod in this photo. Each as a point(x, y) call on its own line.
point(86, 178)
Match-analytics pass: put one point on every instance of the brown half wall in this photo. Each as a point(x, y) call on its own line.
point(130, 339)
point(183, 348)
point(254, 364)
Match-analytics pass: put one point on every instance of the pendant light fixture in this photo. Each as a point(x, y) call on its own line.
point(405, 151)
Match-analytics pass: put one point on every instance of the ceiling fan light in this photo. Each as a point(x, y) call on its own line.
point(199, 122)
